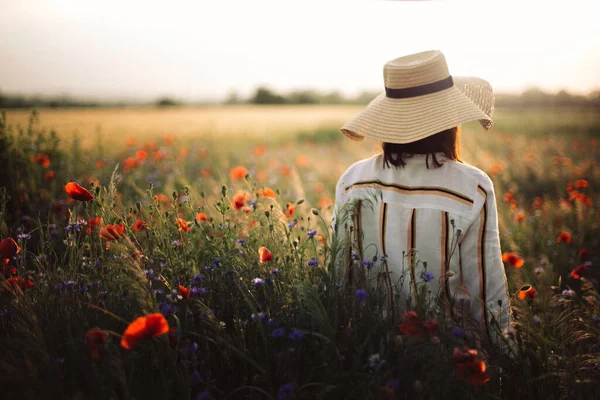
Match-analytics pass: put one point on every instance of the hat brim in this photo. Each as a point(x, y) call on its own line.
point(410, 119)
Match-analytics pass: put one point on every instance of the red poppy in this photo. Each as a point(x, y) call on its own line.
point(169, 138)
point(513, 259)
point(9, 248)
point(17, 283)
point(100, 164)
point(93, 222)
point(289, 210)
point(149, 326)
point(185, 292)
point(583, 253)
point(578, 271)
point(94, 338)
point(266, 192)
point(111, 233)
point(325, 202)
point(581, 184)
point(141, 155)
point(49, 176)
point(564, 237)
point(77, 192)
point(238, 173)
point(411, 325)
point(183, 225)
point(130, 141)
point(508, 197)
point(239, 200)
point(139, 225)
point(537, 203)
point(201, 217)
point(527, 292)
point(162, 198)
point(264, 255)
point(130, 163)
point(520, 216)
point(43, 159)
point(468, 368)
point(7, 270)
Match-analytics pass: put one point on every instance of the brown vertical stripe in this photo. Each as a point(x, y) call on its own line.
point(410, 245)
point(382, 231)
point(481, 248)
point(445, 264)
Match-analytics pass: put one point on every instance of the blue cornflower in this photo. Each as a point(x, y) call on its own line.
point(198, 277)
point(167, 309)
point(291, 224)
point(296, 335)
point(259, 316)
point(198, 290)
point(285, 392)
point(23, 236)
point(149, 272)
point(457, 332)
point(278, 332)
point(311, 233)
point(272, 322)
point(241, 241)
point(258, 282)
point(383, 258)
point(274, 271)
point(367, 263)
point(361, 295)
point(65, 285)
point(313, 262)
point(427, 276)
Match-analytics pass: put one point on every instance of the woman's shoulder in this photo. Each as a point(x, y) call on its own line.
point(472, 172)
point(365, 165)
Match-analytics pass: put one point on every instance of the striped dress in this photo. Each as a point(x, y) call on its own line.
point(445, 217)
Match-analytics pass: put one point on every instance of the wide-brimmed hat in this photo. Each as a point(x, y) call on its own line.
point(421, 99)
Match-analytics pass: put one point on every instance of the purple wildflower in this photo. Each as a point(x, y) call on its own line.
point(312, 262)
point(198, 290)
point(361, 295)
point(278, 332)
point(274, 271)
point(296, 335)
point(24, 236)
point(311, 233)
point(258, 282)
point(427, 276)
point(291, 224)
point(457, 332)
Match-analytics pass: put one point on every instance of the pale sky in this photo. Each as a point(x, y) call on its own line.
point(203, 49)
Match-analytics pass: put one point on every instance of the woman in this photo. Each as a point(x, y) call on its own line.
point(433, 219)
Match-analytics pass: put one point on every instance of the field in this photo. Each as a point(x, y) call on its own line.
point(200, 262)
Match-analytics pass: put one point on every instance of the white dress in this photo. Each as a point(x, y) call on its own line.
point(448, 214)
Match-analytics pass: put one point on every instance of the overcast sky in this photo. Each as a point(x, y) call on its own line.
point(203, 49)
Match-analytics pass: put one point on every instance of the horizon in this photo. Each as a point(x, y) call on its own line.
point(189, 52)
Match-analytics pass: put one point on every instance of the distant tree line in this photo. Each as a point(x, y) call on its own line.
point(533, 97)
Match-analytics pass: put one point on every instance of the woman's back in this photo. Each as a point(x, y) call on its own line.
point(448, 214)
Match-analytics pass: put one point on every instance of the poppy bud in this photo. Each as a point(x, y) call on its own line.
point(315, 211)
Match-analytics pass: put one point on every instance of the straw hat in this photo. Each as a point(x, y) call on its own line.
point(421, 98)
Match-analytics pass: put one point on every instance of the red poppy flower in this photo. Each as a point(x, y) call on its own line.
point(49, 176)
point(564, 237)
point(169, 138)
point(5, 269)
point(584, 253)
point(581, 184)
point(185, 292)
point(183, 225)
point(238, 173)
point(513, 259)
point(508, 197)
point(468, 368)
point(149, 326)
point(139, 225)
point(289, 210)
point(93, 222)
point(537, 203)
point(520, 216)
point(94, 338)
point(266, 192)
point(264, 255)
point(411, 325)
point(141, 155)
point(325, 202)
point(578, 271)
point(527, 292)
point(111, 233)
point(201, 217)
point(9, 248)
point(77, 192)
point(43, 159)
point(17, 283)
point(239, 200)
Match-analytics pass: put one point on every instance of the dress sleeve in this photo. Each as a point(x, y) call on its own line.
point(482, 270)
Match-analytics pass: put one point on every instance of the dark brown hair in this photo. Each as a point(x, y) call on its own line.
point(446, 142)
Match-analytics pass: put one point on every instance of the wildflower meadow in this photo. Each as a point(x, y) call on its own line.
point(170, 267)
